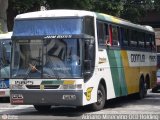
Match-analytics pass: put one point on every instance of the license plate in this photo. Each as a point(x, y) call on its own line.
point(2, 93)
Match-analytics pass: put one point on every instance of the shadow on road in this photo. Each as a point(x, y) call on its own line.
point(151, 99)
point(61, 111)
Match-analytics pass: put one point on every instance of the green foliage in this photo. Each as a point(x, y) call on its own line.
point(104, 6)
point(131, 10)
point(157, 5)
point(22, 6)
point(134, 10)
point(112, 7)
point(70, 4)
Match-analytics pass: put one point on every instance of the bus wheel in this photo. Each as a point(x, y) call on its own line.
point(100, 99)
point(42, 108)
point(142, 89)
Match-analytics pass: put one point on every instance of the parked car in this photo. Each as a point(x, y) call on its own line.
point(157, 88)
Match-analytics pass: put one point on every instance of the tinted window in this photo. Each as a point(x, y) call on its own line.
point(115, 38)
point(133, 38)
point(125, 37)
point(141, 39)
point(100, 33)
point(89, 25)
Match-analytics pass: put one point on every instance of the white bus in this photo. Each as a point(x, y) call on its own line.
point(5, 59)
point(77, 58)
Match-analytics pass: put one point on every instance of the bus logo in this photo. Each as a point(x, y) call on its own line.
point(88, 93)
point(102, 60)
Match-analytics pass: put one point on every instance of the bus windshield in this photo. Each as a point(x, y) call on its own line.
point(5, 54)
point(47, 58)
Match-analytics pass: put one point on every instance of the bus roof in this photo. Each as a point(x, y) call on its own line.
point(80, 13)
point(6, 35)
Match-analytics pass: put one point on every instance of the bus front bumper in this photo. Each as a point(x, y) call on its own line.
point(47, 97)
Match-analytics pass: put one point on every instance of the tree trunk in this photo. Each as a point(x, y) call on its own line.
point(3, 15)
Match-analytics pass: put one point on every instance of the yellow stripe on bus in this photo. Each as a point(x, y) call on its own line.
point(133, 74)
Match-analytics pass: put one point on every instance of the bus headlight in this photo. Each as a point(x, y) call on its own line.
point(13, 87)
point(76, 86)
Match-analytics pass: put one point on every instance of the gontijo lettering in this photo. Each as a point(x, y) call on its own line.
point(137, 58)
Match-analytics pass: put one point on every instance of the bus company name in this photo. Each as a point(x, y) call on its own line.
point(152, 58)
point(142, 58)
point(24, 82)
point(137, 58)
point(58, 36)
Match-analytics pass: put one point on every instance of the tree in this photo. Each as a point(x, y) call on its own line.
point(131, 10)
point(70, 4)
point(112, 7)
point(156, 5)
point(134, 10)
point(3, 17)
point(16, 7)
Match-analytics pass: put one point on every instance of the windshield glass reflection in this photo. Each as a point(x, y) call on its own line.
point(51, 58)
point(5, 56)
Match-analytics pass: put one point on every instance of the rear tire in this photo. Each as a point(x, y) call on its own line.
point(101, 97)
point(42, 108)
point(142, 89)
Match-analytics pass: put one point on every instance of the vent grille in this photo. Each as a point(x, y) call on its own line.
point(45, 86)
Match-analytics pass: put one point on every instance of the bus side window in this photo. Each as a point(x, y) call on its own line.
point(133, 39)
point(153, 43)
point(89, 23)
point(115, 36)
point(106, 39)
point(100, 33)
point(124, 37)
point(141, 39)
point(148, 42)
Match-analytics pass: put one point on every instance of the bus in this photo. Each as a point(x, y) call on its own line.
point(5, 59)
point(78, 58)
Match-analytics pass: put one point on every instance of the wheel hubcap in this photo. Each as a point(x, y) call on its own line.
point(99, 97)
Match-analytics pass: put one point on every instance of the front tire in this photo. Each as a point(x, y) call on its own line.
point(42, 108)
point(101, 97)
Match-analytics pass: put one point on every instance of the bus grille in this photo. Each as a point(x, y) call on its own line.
point(45, 86)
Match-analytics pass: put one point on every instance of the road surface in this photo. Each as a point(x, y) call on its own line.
point(121, 108)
